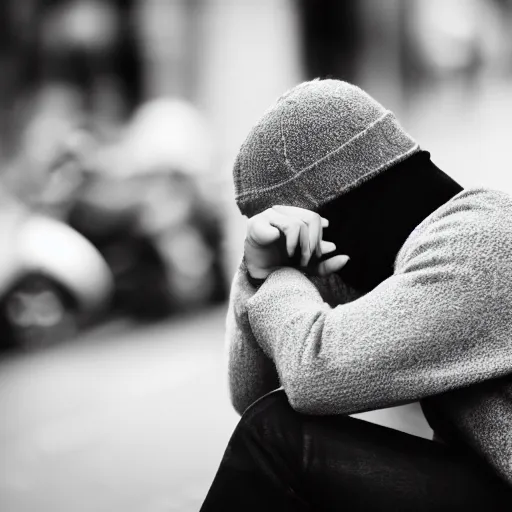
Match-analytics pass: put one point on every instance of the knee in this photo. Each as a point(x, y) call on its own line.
point(271, 422)
point(271, 415)
point(272, 405)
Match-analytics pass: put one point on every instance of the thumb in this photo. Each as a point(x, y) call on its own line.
point(328, 267)
point(262, 233)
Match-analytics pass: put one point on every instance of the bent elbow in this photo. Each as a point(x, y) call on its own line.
point(298, 404)
point(240, 402)
point(238, 406)
point(301, 397)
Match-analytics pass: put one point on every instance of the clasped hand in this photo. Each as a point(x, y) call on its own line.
point(275, 236)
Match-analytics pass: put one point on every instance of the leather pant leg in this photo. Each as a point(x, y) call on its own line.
point(278, 459)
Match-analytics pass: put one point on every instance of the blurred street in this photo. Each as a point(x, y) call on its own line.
point(99, 424)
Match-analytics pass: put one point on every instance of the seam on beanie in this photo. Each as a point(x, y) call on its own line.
point(370, 175)
point(338, 192)
point(320, 160)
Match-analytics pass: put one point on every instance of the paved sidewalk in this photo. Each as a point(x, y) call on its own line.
point(133, 420)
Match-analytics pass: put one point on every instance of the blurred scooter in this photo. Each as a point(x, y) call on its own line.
point(52, 280)
point(148, 205)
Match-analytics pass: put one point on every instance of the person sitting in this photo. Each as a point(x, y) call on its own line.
point(370, 279)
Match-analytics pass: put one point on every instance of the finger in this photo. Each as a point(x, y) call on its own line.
point(314, 230)
point(328, 267)
point(315, 234)
point(324, 223)
point(319, 236)
point(294, 210)
point(261, 232)
point(289, 226)
point(305, 244)
point(309, 239)
point(326, 247)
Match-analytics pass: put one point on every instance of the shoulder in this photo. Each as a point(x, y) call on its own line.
point(479, 200)
point(475, 223)
point(474, 206)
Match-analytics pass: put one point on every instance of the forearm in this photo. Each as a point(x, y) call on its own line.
point(401, 343)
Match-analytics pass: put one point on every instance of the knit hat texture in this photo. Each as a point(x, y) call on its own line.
point(318, 141)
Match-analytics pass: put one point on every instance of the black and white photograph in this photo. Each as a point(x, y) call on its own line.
point(256, 255)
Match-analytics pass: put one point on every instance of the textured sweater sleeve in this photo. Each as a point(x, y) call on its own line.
point(441, 322)
point(251, 373)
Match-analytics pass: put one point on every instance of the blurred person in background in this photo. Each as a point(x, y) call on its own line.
point(370, 279)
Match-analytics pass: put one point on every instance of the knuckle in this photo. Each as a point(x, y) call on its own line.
point(296, 223)
point(290, 229)
point(254, 223)
point(311, 215)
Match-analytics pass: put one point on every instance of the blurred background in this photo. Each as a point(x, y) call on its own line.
point(119, 124)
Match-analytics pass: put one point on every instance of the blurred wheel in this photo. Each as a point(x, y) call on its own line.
point(37, 312)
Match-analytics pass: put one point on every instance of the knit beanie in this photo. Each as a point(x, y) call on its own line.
point(318, 141)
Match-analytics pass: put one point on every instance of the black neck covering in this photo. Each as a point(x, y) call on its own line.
point(372, 222)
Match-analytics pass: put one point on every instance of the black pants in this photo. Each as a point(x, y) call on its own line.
point(280, 460)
